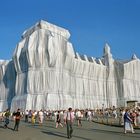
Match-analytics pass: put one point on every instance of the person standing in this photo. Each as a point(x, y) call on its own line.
point(26, 115)
point(17, 120)
point(78, 117)
point(33, 117)
point(41, 117)
point(89, 115)
point(69, 117)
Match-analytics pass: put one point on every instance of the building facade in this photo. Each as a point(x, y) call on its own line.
point(46, 73)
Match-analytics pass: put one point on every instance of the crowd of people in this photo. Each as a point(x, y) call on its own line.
point(128, 117)
point(60, 117)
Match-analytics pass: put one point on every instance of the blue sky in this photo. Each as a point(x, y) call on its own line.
point(92, 23)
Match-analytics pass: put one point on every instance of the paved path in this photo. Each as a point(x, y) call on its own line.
point(89, 131)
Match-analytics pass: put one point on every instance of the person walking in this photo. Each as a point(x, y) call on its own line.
point(17, 120)
point(128, 122)
point(6, 115)
point(58, 120)
point(69, 117)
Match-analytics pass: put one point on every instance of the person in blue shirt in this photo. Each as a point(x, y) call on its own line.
point(128, 122)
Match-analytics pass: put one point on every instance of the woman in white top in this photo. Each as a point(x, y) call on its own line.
point(41, 117)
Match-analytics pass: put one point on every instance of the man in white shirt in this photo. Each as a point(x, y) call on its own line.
point(69, 117)
point(89, 115)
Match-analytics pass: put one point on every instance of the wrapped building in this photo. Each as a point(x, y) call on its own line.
point(46, 73)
